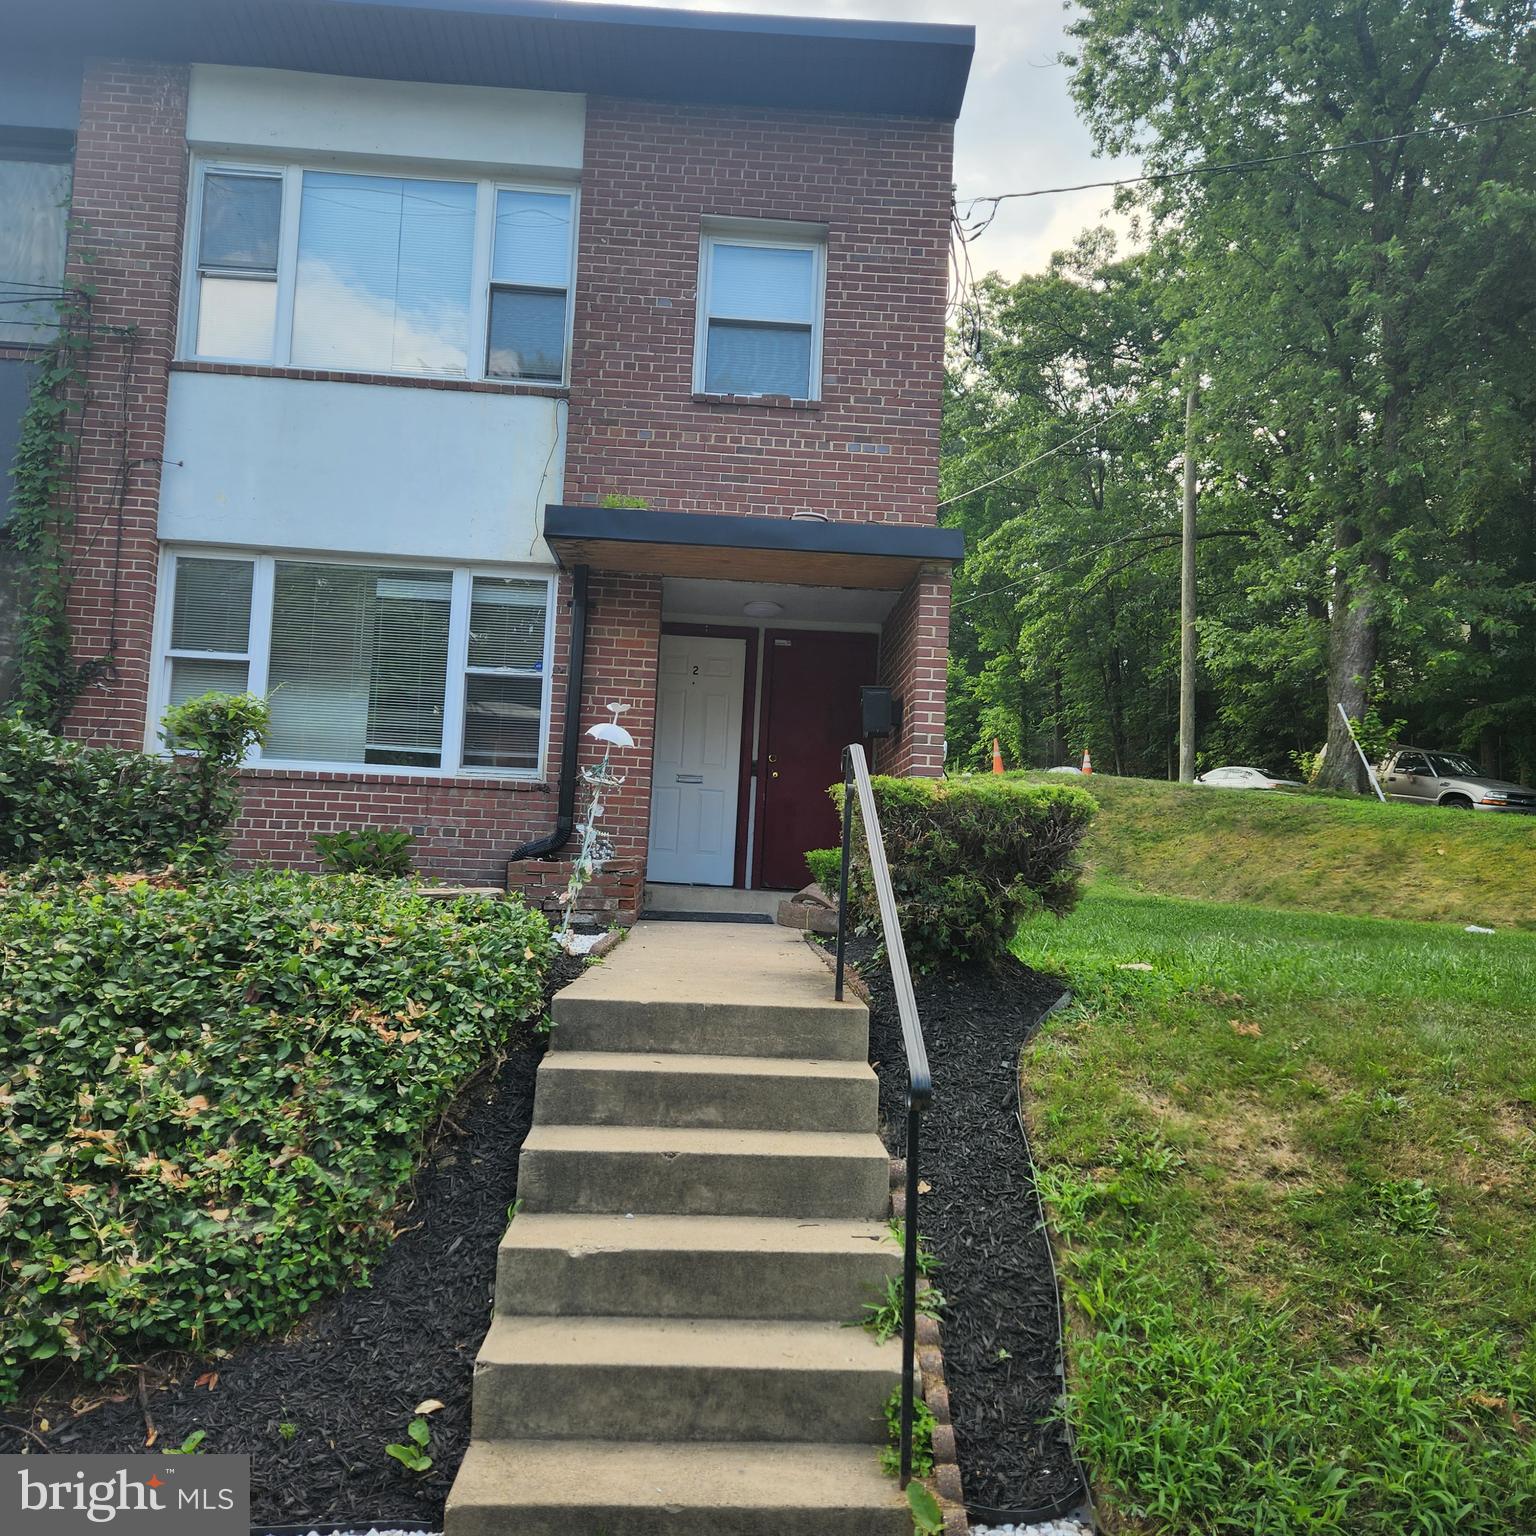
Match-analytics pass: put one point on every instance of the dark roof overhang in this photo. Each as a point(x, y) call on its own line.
point(800, 551)
point(888, 68)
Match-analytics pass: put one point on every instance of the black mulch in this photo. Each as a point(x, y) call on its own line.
point(1001, 1323)
point(351, 1374)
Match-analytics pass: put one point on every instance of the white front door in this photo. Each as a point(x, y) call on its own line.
point(696, 769)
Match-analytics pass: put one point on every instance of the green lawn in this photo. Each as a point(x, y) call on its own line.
point(1324, 853)
point(1292, 1171)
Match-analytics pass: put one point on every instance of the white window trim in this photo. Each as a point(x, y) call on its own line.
point(292, 174)
point(770, 235)
point(259, 649)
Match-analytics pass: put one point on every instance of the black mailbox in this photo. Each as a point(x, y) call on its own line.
point(881, 711)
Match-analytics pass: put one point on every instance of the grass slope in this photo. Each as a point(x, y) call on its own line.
point(1319, 852)
point(1291, 1159)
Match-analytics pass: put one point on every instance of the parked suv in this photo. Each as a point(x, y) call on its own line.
point(1447, 778)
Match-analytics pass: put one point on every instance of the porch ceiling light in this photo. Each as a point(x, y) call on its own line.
point(761, 608)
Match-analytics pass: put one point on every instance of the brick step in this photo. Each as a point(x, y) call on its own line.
point(628, 1378)
point(692, 1266)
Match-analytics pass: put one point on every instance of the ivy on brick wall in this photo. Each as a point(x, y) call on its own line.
point(42, 523)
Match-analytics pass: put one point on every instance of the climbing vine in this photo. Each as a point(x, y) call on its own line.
point(42, 523)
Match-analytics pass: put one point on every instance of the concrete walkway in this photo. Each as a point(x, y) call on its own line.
point(704, 1200)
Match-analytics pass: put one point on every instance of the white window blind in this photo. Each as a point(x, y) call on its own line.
point(762, 317)
point(530, 282)
point(503, 684)
point(365, 666)
point(210, 628)
point(359, 659)
point(237, 264)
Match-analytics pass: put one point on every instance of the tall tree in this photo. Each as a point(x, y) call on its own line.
point(1351, 309)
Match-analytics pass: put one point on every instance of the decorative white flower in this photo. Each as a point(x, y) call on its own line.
point(614, 734)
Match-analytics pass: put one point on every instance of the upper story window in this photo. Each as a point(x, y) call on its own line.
point(382, 274)
point(380, 666)
point(760, 313)
point(34, 231)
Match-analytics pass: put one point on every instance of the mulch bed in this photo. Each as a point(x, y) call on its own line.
point(1001, 1325)
point(349, 1376)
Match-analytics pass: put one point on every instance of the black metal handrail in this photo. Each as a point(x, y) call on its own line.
point(919, 1080)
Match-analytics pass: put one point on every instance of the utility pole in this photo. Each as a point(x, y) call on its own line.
point(1187, 599)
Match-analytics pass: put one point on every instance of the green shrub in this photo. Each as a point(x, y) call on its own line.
point(825, 865)
point(97, 808)
point(366, 851)
point(214, 1095)
point(970, 859)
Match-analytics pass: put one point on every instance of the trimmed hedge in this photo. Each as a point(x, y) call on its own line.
point(97, 808)
point(214, 1095)
point(970, 859)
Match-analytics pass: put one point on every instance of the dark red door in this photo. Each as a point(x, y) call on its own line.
point(811, 683)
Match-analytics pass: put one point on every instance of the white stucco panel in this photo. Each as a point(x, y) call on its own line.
point(360, 468)
point(267, 110)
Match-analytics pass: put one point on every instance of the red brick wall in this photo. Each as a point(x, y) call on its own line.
point(129, 197)
point(870, 449)
point(914, 650)
point(867, 450)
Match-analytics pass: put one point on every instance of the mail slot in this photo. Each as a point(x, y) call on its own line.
point(690, 778)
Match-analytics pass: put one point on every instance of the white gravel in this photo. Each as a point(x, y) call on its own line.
point(1050, 1528)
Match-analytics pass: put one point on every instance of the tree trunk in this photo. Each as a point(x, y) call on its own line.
point(1353, 640)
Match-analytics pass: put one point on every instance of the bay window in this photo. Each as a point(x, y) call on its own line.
point(759, 329)
point(381, 666)
point(352, 272)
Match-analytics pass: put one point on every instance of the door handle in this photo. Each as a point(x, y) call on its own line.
point(690, 778)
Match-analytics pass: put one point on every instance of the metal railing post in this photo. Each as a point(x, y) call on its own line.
point(842, 878)
point(856, 780)
point(909, 1293)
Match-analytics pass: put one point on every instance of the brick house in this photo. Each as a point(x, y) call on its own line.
point(462, 367)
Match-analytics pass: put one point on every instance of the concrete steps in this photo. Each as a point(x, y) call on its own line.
point(587, 1487)
point(692, 1266)
point(626, 1169)
point(627, 1378)
point(704, 1092)
point(703, 1212)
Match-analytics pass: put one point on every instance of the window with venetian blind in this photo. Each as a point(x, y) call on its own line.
point(382, 666)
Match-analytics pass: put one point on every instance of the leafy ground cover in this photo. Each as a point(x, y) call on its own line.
point(1291, 1163)
point(214, 1095)
point(1323, 853)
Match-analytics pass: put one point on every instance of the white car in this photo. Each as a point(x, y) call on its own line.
point(1240, 778)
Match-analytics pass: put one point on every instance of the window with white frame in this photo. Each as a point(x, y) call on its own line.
point(380, 665)
point(381, 273)
point(760, 313)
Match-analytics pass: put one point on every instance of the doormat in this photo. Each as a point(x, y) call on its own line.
point(705, 917)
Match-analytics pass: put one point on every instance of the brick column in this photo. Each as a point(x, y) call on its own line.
point(623, 637)
point(914, 660)
point(128, 206)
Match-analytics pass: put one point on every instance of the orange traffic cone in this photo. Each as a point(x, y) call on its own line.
point(1087, 761)
point(997, 756)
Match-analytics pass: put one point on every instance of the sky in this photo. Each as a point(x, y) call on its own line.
point(1018, 129)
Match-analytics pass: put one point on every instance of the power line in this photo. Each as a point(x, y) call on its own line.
point(1226, 167)
point(1020, 468)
